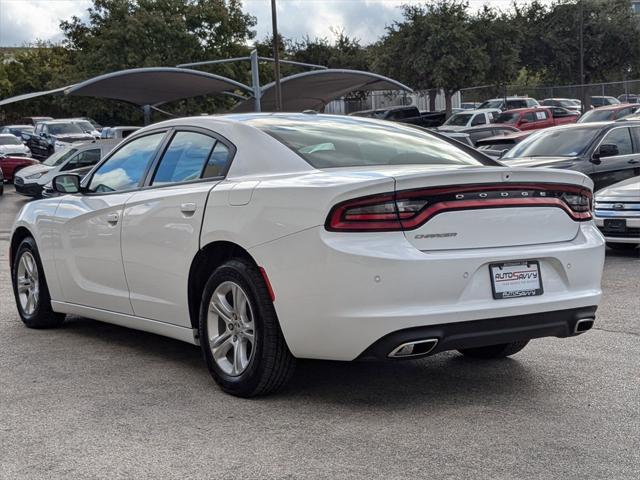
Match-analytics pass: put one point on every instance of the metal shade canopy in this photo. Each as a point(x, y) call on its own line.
point(155, 85)
point(28, 96)
point(313, 90)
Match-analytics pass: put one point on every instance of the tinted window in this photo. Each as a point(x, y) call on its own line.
point(478, 119)
point(184, 159)
point(566, 142)
point(459, 119)
point(596, 116)
point(625, 112)
point(621, 137)
point(63, 128)
point(532, 117)
point(516, 104)
point(508, 118)
point(218, 161)
point(491, 104)
point(332, 141)
point(125, 168)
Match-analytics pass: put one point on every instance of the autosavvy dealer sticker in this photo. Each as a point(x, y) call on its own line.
point(515, 279)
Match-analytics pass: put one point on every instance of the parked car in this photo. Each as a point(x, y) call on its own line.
point(405, 114)
point(613, 112)
point(53, 135)
point(20, 131)
point(602, 101)
point(484, 131)
point(497, 146)
point(10, 165)
point(33, 121)
point(471, 118)
point(510, 103)
point(536, 118)
point(607, 152)
point(617, 214)
point(206, 229)
point(629, 98)
point(13, 146)
point(31, 180)
point(568, 103)
point(117, 132)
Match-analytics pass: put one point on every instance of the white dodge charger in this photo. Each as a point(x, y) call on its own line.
point(269, 237)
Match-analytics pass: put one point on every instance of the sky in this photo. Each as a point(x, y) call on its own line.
point(24, 21)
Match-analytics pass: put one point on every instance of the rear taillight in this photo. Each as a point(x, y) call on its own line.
point(409, 209)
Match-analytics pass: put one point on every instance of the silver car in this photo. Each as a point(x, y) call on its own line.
point(617, 214)
point(30, 181)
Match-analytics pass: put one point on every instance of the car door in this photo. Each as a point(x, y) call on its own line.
point(612, 168)
point(161, 224)
point(88, 227)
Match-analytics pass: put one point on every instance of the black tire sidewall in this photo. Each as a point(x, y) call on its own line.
point(236, 271)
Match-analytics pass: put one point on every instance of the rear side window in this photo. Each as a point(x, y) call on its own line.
point(185, 158)
point(218, 161)
point(516, 104)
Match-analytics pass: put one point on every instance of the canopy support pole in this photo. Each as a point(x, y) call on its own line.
point(146, 110)
point(255, 81)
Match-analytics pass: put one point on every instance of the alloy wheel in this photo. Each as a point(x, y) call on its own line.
point(231, 328)
point(27, 283)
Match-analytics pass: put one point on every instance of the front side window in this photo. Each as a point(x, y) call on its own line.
point(459, 120)
point(185, 158)
point(596, 116)
point(621, 138)
point(87, 158)
point(126, 167)
point(332, 141)
point(478, 120)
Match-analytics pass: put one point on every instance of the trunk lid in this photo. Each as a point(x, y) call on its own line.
point(483, 207)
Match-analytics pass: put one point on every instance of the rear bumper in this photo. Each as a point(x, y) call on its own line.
point(481, 333)
point(336, 294)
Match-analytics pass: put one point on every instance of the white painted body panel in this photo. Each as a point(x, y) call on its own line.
point(158, 242)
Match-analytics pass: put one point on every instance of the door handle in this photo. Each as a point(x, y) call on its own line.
point(188, 208)
point(113, 218)
point(633, 161)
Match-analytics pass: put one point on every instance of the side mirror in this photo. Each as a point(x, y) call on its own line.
point(67, 183)
point(44, 135)
point(606, 150)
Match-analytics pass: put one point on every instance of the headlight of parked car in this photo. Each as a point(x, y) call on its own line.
point(35, 175)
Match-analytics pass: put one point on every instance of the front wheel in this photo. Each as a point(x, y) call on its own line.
point(495, 351)
point(240, 336)
point(30, 288)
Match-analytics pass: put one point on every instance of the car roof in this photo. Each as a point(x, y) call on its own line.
point(617, 106)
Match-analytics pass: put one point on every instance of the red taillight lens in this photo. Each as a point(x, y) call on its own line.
point(409, 209)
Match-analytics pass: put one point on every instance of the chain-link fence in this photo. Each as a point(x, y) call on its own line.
point(376, 100)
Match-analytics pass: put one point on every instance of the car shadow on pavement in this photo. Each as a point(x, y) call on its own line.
point(444, 379)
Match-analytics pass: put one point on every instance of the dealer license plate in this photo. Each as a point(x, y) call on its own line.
point(515, 279)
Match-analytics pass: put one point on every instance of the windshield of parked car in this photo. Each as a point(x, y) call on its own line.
point(19, 131)
point(491, 104)
point(9, 140)
point(596, 116)
point(459, 119)
point(565, 142)
point(59, 157)
point(85, 126)
point(332, 141)
point(64, 128)
point(507, 118)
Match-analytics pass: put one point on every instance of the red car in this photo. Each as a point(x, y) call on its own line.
point(10, 165)
point(610, 112)
point(536, 118)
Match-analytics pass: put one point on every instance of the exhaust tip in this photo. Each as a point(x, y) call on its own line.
point(416, 348)
point(583, 325)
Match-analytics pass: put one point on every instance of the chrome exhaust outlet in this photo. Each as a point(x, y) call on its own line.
point(417, 348)
point(583, 325)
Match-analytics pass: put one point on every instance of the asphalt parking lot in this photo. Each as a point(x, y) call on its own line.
point(92, 400)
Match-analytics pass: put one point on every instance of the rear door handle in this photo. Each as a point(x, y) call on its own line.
point(188, 208)
point(634, 161)
point(113, 218)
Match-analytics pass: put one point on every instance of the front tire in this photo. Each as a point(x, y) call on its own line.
point(240, 336)
point(30, 288)
point(495, 351)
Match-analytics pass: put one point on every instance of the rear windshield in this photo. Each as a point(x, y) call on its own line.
point(331, 141)
point(568, 142)
point(508, 118)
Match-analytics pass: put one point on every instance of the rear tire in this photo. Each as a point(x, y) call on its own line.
point(30, 288)
point(240, 336)
point(495, 351)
